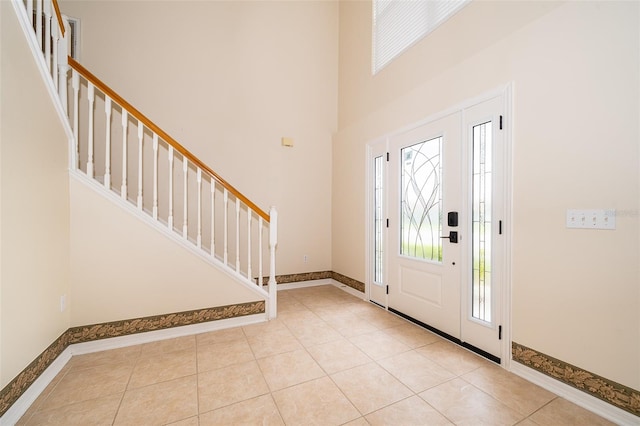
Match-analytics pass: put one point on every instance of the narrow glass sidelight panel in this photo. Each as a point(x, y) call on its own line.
point(379, 221)
point(421, 201)
point(481, 221)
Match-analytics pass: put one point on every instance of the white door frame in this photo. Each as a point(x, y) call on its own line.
point(373, 146)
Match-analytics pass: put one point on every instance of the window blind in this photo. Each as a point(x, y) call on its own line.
point(398, 24)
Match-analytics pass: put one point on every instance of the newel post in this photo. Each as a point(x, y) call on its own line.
point(273, 242)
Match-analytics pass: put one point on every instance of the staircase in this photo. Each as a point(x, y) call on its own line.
point(130, 159)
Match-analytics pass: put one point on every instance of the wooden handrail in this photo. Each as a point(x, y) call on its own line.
point(59, 16)
point(157, 130)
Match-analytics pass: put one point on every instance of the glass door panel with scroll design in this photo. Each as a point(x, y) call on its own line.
point(424, 183)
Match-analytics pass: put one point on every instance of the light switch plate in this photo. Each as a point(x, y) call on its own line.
point(591, 219)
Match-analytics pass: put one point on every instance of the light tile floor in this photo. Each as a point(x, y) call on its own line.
point(329, 359)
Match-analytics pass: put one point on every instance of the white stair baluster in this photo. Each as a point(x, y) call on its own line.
point(30, 11)
point(226, 222)
point(237, 235)
point(185, 168)
point(140, 138)
point(125, 126)
point(170, 218)
point(91, 98)
point(260, 227)
point(63, 69)
point(47, 33)
point(249, 212)
point(75, 83)
point(155, 176)
point(199, 179)
point(39, 22)
point(107, 143)
point(213, 221)
point(263, 220)
point(55, 38)
point(273, 242)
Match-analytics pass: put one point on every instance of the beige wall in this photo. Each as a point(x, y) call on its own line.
point(34, 197)
point(124, 268)
point(228, 80)
point(575, 70)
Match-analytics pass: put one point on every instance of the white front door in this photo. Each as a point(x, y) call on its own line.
point(438, 208)
point(424, 185)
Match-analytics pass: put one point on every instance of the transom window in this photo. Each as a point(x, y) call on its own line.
point(398, 24)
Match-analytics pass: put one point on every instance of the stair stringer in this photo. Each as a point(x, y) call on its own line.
point(170, 273)
point(75, 175)
point(32, 42)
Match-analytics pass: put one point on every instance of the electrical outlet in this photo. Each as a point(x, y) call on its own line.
point(63, 302)
point(306, 258)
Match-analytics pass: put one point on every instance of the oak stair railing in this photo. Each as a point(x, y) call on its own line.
point(120, 149)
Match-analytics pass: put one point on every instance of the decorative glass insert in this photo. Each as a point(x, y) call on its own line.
point(379, 219)
point(481, 201)
point(421, 200)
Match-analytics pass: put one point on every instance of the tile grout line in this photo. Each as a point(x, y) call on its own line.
point(65, 372)
point(329, 375)
point(372, 361)
point(246, 339)
point(410, 349)
point(540, 408)
point(133, 368)
point(197, 381)
point(413, 393)
point(310, 311)
point(310, 355)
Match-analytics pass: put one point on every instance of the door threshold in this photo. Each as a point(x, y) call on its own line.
point(377, 304)
point(449, 337)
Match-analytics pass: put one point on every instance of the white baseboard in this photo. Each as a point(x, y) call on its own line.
point(574, 395)
point(169, 333)
point(324, 281)
point(17, 410)
point(302, 284)
point(352, 291)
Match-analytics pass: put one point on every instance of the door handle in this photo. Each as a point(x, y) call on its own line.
point(452, 237)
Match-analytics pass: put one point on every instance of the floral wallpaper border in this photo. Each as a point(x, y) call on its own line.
point(355, 284)
point(621, 396)
point(10, 393)
point(305, 276)
point(320, 275)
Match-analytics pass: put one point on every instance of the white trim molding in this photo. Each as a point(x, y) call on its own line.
point(20, 407)
point(574, 395)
